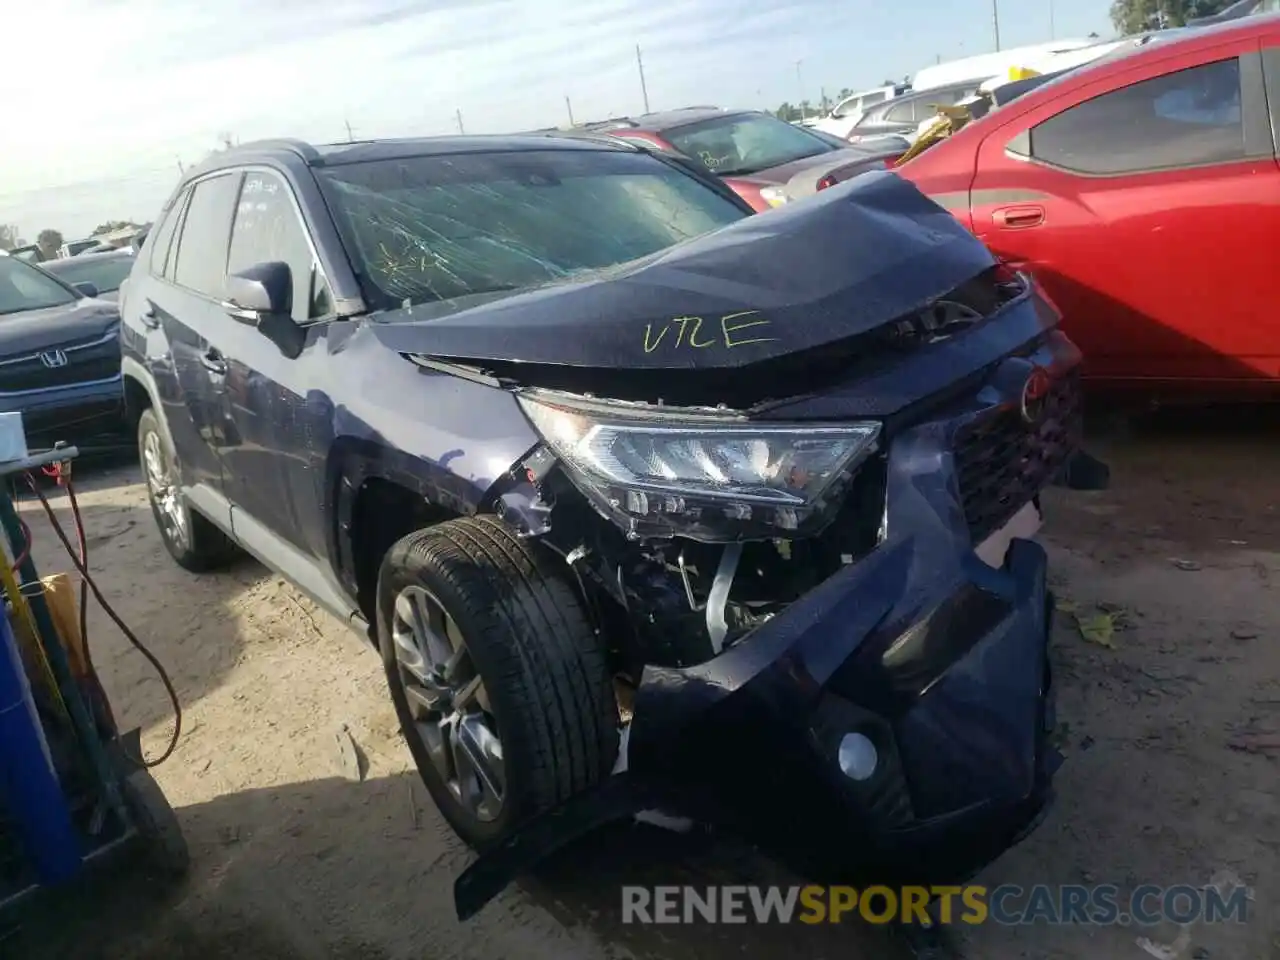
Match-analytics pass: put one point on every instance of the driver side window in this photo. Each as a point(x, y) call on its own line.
point(267, 228)
point(1181, 119)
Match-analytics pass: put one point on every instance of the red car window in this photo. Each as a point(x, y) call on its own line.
point(1187, 118)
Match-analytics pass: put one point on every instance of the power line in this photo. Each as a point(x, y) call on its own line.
point(92, 182)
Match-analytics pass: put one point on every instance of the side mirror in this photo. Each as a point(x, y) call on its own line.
point(265, 289)
point(262, 295)
point(86, 289)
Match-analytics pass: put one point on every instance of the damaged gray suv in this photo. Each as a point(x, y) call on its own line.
point(640, 496)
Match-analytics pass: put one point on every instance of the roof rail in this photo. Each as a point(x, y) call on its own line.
point(613, 123)
point(300, 147)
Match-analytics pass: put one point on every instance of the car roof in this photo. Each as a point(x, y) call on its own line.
point(360, 151)
point(661, 120)
point(934, 91)
point(88, 257)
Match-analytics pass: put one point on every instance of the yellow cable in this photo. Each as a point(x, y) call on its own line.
point(26, 625)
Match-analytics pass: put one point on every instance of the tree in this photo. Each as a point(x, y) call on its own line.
point(1140, 16)
point(49, 240)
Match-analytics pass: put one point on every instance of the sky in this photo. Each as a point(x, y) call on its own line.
point(104, 99)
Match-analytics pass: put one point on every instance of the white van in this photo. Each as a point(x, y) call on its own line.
point(987, 65)
point(845, 114)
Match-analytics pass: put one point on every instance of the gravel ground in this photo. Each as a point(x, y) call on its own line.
point(1171, 727)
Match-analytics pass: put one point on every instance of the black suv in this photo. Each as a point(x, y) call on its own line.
point(59, 358)
point(647, 502)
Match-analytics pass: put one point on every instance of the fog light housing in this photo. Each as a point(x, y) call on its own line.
point(857, 757)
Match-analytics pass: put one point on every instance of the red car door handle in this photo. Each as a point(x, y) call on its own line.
point(1028, 216)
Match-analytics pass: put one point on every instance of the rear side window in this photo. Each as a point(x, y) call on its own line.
point(266, 229)
point(202, 247)
point(904, 112)
point(1182, 119)
point(158, 247)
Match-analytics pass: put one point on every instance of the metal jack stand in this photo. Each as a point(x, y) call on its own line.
point(73, 792)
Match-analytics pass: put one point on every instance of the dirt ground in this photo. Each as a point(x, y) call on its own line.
point(1171, 729)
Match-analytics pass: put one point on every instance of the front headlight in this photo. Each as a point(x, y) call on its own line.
point(706, 479)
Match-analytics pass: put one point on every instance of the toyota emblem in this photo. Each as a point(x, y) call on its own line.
point(1034, 393)
point(53, 358)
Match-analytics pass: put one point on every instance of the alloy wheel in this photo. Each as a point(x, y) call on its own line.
point(448, 702)
point(163, 489)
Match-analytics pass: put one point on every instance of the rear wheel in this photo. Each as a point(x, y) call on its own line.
point(502, 690)
point(194, 542)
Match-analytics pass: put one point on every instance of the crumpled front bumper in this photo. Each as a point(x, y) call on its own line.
point(937, 658)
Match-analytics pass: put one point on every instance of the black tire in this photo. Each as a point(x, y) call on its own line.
point(191, 539)
point(546, 675)
point(165, 848)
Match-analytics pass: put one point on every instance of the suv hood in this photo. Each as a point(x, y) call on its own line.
point(34, 330)
point(840, 264)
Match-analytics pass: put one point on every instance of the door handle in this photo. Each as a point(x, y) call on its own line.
point(1031, 215)
point(149, 318)
point(213, 361)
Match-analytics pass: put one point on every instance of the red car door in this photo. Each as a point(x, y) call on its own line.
point(1147, 202)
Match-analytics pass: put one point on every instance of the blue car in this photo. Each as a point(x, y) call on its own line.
point(646, 502)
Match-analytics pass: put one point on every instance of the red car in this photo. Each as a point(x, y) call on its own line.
point(1143, 191)
point(766, 161)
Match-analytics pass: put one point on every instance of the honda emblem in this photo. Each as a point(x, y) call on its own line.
point(53, 358)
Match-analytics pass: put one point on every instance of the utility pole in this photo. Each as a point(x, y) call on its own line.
point(182, 171)
point(1052, 32)
point(350, 136)
point(995, 21)
point(800, 87)
point(458, 114)
point(644, 88)
point(569, 106)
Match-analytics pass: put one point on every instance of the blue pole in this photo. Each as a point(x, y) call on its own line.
point(29, 786)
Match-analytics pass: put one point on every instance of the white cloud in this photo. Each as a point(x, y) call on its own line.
point(107, 96)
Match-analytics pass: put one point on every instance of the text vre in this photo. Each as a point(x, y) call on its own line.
point(700, 333)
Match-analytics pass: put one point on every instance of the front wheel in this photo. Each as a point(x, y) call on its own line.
point(192, 540)
point(502, 689)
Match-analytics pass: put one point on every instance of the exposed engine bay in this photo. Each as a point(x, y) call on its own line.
point(677, 594)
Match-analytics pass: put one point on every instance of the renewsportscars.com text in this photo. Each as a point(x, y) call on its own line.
point(1094, 905)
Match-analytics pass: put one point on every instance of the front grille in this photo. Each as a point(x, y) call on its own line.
point(1002, 462)
point(87, 361)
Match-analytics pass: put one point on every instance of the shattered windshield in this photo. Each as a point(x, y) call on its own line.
point(440, 227)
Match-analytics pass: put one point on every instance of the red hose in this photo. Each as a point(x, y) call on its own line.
point(80, 560)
